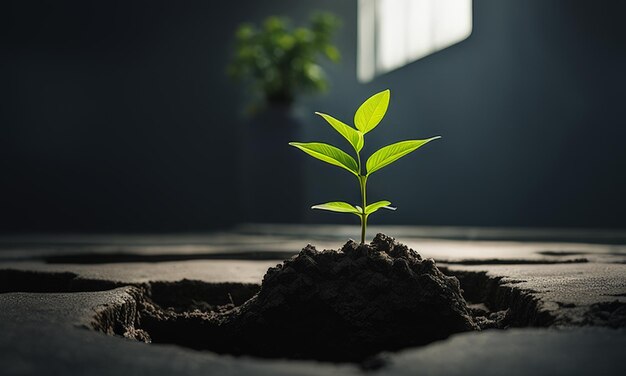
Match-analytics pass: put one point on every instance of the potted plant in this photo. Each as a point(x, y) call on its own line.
point(277, 62)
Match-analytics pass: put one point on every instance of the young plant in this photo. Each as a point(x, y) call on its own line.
point(366, 118)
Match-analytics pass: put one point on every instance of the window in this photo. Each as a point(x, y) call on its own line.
point(393, 33)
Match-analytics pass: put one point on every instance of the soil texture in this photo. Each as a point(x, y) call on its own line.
point(337, 305)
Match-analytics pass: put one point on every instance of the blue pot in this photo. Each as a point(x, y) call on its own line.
point(272, 176)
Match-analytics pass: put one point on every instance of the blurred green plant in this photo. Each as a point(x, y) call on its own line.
point(366, 118)
point(281, 61)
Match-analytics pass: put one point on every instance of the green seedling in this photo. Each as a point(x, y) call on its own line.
point(366, 118)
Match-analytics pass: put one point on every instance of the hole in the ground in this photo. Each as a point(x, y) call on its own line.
point(522, 308)
point(181, 313)
point(191, 295)
point(342, 305)
point(611, 314)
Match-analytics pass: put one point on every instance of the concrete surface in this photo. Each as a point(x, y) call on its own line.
point(48, 333)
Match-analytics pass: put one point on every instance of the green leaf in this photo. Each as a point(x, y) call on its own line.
point(372, 111)
point(332, 53)
point(371, 208)
point(328, 154)
point(393, 152)
point(338, 206)
point(354, 137)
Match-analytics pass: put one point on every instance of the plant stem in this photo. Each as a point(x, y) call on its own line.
point(362, 228)
point(363, 184)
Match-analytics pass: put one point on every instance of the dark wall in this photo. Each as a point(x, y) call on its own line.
point(117, 116)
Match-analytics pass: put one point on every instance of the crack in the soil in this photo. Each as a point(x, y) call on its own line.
point(522, 306)
point(114, 258)
point(561, 253)
point(512, 261)
point(12, 280)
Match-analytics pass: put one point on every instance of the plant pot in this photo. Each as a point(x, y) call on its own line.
point(272, 176)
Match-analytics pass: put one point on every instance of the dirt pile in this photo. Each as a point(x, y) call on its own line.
point(347, 305)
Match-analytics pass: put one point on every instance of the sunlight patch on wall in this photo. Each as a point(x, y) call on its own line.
point(393, 33)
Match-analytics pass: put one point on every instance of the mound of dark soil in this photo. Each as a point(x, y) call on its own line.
point(348, 304)
point(338, 305)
